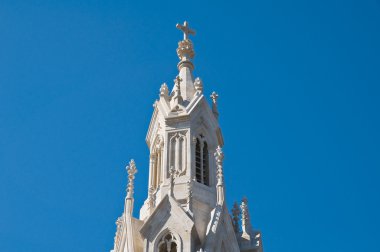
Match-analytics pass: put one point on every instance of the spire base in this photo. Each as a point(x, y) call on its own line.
point(185, 63)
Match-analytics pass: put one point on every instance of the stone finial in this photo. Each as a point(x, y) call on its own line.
point(131, 169)
point(198, 85)
point(186, 30)
point(185, 49)
point(235, 217)
point(185, 52)
point(219, 156)
point(164, 91)
point(245, 220)
point(214, 96)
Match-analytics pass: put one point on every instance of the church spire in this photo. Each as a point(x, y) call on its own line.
point(186, 208)
point(185, 52)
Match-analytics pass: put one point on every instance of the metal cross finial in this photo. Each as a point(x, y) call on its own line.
point(186, 30)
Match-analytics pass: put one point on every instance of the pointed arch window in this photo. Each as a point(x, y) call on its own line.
point(201, 161)
point(168, 244)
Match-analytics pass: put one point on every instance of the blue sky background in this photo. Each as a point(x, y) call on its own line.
point(299, 109)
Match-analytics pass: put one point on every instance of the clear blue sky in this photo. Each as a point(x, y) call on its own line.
point(299, 109)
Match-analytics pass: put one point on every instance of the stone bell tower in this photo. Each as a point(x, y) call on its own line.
point(185, 209)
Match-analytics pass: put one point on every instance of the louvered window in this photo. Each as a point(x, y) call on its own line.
point(201, 162)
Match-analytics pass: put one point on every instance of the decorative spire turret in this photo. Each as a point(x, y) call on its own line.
point(245, 220)
point(128, 244)
point(185, 52)
point(131, 169)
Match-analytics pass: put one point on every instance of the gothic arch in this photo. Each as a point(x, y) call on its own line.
point(166, 240)
point(202, 160)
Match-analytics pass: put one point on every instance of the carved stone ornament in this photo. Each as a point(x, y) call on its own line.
point(185, 50)
point(219, 156)
point(172, 173)
point(245, 220)
point(151, 197)
point(177, 98)
point(131, 169)
point(164, 91)
point(214, 96)
point(198, 85)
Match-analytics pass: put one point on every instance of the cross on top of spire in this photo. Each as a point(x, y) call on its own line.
point(186, 30)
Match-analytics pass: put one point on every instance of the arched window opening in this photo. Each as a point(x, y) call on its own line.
point(205, 164)
point(198, 168)
point(168, 244)
point(201, 162)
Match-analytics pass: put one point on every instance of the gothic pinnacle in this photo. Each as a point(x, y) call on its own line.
point(177, 90)
point(219, 156)
point(131, 169)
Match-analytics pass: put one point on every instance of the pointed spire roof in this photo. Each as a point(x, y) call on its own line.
point(185, 52)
